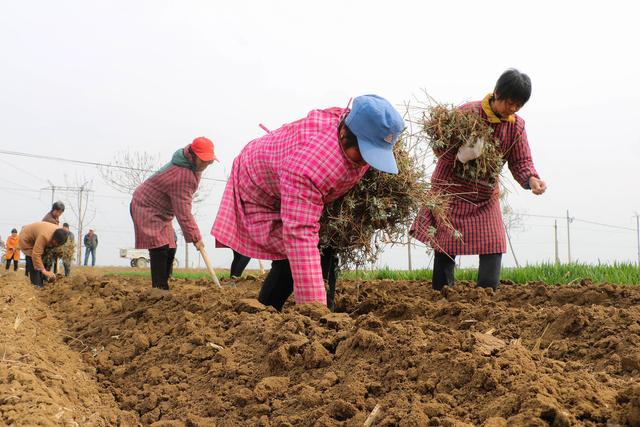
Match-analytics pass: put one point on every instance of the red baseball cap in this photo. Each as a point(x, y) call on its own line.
point(203, 148)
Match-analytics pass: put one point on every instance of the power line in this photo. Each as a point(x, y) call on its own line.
point(540, 216)
point(20, 189)
point(22, 170)
point(579, 220)
point(86, 163)
point(604, 225)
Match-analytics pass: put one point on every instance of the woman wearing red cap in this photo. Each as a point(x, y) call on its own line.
point(168, 193)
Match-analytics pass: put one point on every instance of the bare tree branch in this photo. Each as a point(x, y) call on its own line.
point(128, 170)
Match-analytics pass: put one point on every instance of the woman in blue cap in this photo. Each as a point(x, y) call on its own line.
point(279, 185)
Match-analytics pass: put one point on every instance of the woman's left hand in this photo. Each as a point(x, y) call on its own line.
point(537, 185)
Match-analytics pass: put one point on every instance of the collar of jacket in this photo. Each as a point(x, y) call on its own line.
point(491, 116)
point(180, 158)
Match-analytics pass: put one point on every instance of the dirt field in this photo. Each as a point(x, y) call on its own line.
point(100, 350)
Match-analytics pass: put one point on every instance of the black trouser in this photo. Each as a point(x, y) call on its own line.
point(488, 271)
point(15, 264)
point(52, 266)
point(161, 266)
point(329, 264)
point(278, 285)
point(67, 268)
point(34, 275)
point(238, 264)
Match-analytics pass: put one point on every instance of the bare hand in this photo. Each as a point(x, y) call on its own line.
point(49, 275)
point(537, 185)
point(199, 245)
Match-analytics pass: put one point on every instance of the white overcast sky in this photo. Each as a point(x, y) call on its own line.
point(85, 79)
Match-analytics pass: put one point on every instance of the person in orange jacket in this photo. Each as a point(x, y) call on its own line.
point(12, 253)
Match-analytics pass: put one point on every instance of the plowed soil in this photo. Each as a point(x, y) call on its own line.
point(106, 350)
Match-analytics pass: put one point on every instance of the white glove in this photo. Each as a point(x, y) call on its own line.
point(470, 150)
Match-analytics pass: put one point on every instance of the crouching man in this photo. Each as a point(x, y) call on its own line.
point(33, 240)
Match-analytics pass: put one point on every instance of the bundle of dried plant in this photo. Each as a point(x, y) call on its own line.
point(380, 208)
point(65, 252)
point(447, 128)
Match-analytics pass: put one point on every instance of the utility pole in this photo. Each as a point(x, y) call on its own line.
point(53, 191)
point(80, 236)
point(409, 249)
point(511, 246)
point(569, 221)
point(555, 235)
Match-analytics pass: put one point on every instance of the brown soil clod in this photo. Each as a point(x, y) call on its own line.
point(109, 351)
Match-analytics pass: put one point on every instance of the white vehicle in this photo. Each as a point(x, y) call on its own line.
point(140, 257)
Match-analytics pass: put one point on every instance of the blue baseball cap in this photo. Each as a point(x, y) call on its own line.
point(377, 125)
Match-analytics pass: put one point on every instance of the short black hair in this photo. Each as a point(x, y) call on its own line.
point(66, 224)
point(513, 86)
point(352, 139)
point(13, 230)
point(60, 236)
point(57, 206)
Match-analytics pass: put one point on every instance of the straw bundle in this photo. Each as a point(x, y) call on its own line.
point(378, 210)
point(447, 128)
point(65, 252)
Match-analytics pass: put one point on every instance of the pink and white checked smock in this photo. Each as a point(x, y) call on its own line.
point(278, 187)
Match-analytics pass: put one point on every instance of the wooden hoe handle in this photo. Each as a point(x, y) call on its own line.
point(203, 252)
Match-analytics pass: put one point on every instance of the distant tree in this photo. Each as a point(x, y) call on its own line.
point(128, 170)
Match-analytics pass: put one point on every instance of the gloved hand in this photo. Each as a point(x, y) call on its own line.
point(470, 150)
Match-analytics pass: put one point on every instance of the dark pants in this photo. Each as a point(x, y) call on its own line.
point(278, 285)
point(238, 264)
point(88, 251)
point(161, 266)
point(67, 268)
point(488, 272)
point(329, 263)
point(15, 264)
point(52, 266)
point(34, 275)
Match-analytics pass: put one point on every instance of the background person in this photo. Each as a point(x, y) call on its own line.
point(165, 195)
point(12, 250)
point(71, 240)
point(33, 240)
point(53, 216)
point(90, 244)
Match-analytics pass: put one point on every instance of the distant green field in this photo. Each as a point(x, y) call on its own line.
point(618, 273)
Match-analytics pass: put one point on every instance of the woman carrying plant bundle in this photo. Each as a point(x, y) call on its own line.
point(168, 193)
point(279, 184)
point(463, 172)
